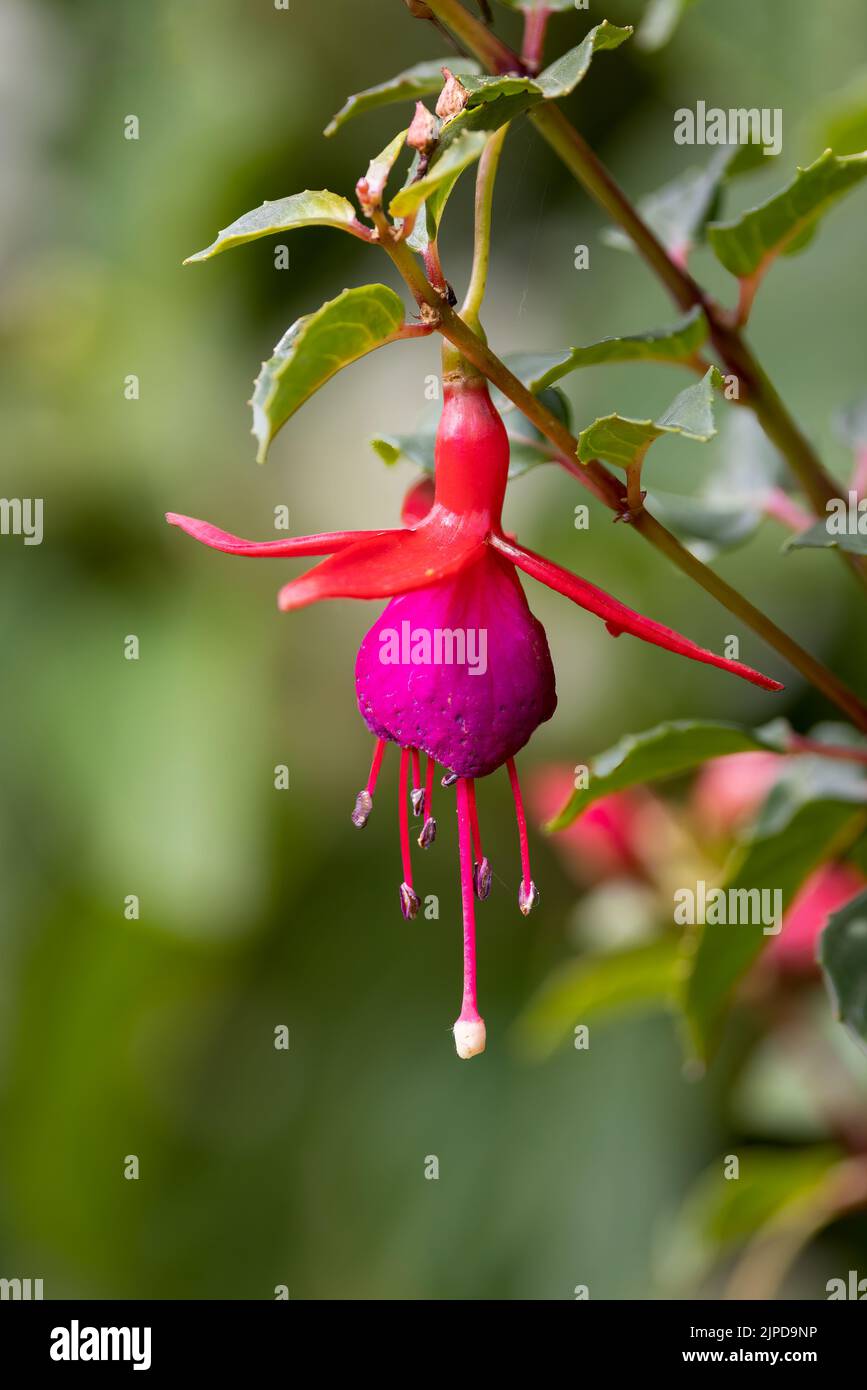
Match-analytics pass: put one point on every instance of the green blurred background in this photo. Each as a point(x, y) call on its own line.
point(155, 777)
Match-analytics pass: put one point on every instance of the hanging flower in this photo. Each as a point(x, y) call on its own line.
point(456, 667)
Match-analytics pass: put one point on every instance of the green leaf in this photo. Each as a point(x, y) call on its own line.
point(426, 228)
point(812, 813)
point(309, 209)
point(563, 75)
point(492, 101)
point(787, 222)
point(661, 18)
point(315, 348)
point(669, 749)
point(421, 80)
point(721, 1212)
point(675, 344)
point(444, 170)
point(624, 442)
point(730, 506)
point(416, 448)
point(495, 100)
point(843, 957)
point(818, 537)
point(557, 80)
point(381, 166)
point(841, 122)
point(679, 211)
point(641, 978)
point(707, 526)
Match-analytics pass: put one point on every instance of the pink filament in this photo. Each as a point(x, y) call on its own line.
point(469, 1007)
point(416, 770)
point(522, 823)
point(378, 752)
point(403, 815)
point(474, 820)
point(428, 786)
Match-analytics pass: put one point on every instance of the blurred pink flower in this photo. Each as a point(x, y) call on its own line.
point(728, 791)
point(827, 889)
point(604, 842)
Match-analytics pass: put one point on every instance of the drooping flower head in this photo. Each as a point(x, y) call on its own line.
point(456, 667)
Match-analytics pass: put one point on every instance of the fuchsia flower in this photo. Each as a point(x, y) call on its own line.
point(452, 570)
point(828, 888)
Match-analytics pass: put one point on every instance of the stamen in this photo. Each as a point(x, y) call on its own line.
point(364, 800)
point(528, 893)
point(481, 868)
point(449, 779)
point(378, 753)
point(417, 788)
point(409, 903)
point(469, 1029)
point(429, 829)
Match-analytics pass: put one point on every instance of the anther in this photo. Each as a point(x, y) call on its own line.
point(482, 876)
point(409, 903)
point(363, 808)
point(528, 896)
point(364, 800)
point(528, 893)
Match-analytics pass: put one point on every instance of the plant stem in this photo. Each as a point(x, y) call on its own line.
point(533, 46)
point(608, 488)
point(481, 41)
point(485, 180)
point(780, 427)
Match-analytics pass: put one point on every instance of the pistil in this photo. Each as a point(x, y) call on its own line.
point(469, 1029)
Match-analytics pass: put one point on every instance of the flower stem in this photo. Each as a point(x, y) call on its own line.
point(533, 45)
point(780, 427)
point(606, 487)
point(485, 179)
point(477, 37)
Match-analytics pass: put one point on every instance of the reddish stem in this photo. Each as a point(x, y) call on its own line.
point(859, 477)
point(522, 824)
point(535, 26)
point(469, 1006)
point(780, 507)
point(378, 754)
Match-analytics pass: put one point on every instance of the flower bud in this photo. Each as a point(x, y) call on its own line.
point(453, 97)
point(423, 130)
